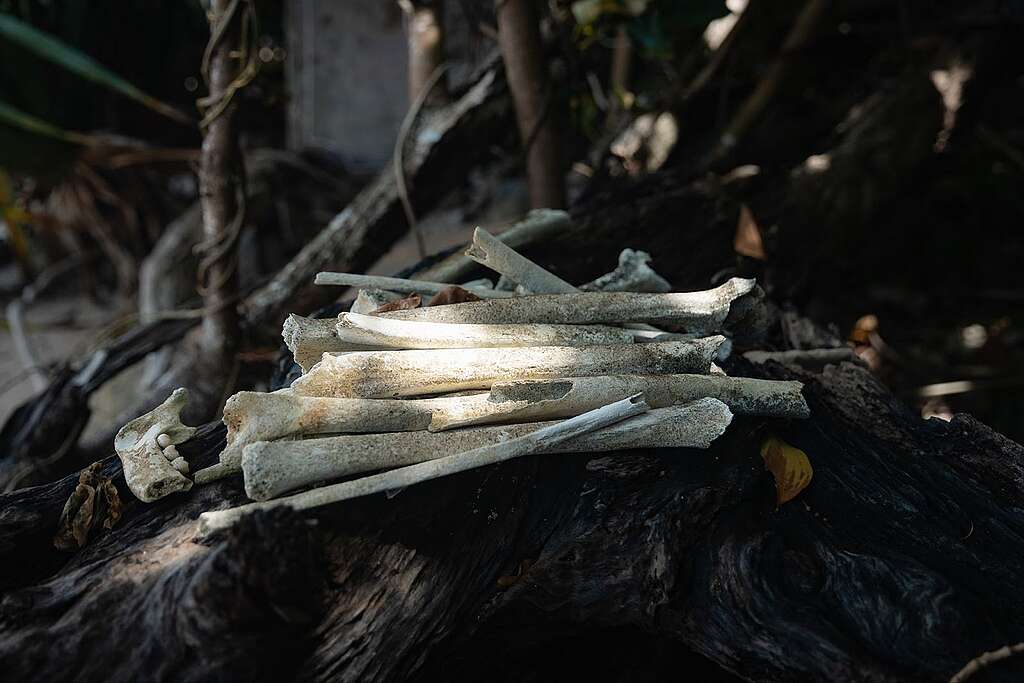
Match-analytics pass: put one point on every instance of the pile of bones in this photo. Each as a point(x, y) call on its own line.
point(532, 365)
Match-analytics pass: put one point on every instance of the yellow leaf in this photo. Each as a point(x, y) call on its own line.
point(790, 467)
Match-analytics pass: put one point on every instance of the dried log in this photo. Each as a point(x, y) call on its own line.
point(898, 563)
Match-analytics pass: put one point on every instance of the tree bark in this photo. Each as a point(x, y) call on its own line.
point(898, 563)
point(523, 51)
point(219, 178)
point(425, 21)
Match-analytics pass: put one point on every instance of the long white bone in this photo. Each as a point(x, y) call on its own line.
point(353, 329)
point(531, 400)
point(252, 416)
point(703, 311)
point(389, 374)
point(150, 476)
point(274, 468)
point(540, 440)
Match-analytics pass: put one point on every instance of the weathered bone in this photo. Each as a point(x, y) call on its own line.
point(397, 284)
point(388, 374)
point(150, 476)
point(310, 338)
point(633, 274)
point(537, 226)
point(531, 400)
point(488, 250)
point(539, 440)
point(354, 329)
point(274, 468)
point(252, 416)
point(369, 300)
point(700, 312)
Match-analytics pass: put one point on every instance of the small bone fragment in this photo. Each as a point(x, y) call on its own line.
point(180, 464)
point(253, 416)
point(309, 338)
point(274, 468)
point(171, 453)
point(810, 359)
point(539, 440)
point(146, 470)
point(397, 284)
point(531, 400)
point(488, 250)
point(698, 312)
point(536, 227)
point(369, 300)
point(389, 374)
point(163, 441)
point(633, 274)
point(380, 332)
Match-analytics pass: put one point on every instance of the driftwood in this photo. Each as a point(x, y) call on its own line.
point(898, 563)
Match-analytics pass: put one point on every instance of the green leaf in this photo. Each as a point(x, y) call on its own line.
point(19, 119)
point(53, 50)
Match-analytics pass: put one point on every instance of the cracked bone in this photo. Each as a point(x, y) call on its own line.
point(633, 274)
point(699, 312)
point(545, 438)
point(309, 338)
point(150, 476)
point(389, 374)
point(353, 329)
point(275, 468)
point(252, 416)
point(397, 284)
point(532, 400)
point(488, 250)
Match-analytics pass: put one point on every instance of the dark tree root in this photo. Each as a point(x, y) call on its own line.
point(900, 562)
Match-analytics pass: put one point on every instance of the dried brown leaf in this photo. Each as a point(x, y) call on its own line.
point(453, 295)
point(789, 465)
point(411, 301)
point(92, 495)
point(748, 240)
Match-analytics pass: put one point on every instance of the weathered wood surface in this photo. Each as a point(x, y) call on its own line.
point(900, 562)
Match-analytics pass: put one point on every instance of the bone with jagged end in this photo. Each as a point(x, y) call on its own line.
point(530, 400)
point(353, 329)
point(633, 274)
point(537, 441)
point(309, 338)
point(252, 416)
point(698, 312)
point(390, 374)
point(273, 468)
point(148, 472)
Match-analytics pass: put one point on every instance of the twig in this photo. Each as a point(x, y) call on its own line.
point(399, 155)
point(986, 659)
